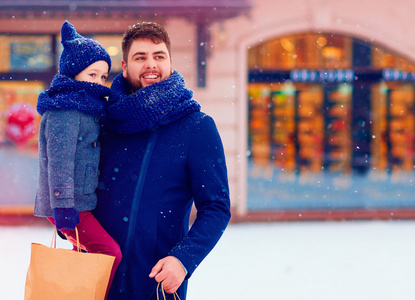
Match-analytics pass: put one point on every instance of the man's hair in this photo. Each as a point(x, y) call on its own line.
point(144, 30)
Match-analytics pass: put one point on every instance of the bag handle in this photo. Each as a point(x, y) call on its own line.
point(53, 244)
point(162, 292)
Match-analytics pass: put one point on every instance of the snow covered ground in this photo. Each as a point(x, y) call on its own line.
point(360, 260)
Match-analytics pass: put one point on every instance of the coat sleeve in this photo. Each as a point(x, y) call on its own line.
point(61, 134)
point(209, 182)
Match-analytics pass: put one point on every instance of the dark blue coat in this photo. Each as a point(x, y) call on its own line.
point(187, 166)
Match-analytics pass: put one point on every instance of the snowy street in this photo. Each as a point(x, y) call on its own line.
point(357, 260)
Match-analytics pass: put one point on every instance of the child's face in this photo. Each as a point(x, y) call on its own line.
point(95, 73)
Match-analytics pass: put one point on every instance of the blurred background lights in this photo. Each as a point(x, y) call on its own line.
point(112, 50)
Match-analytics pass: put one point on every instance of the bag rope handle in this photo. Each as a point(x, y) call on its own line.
point(162, 292)
point(53, 244)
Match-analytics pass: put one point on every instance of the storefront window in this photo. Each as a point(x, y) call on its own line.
point(383, 59)
point(19, 119)
point(318, 51)
point(331, 125)
point(393, 128)
point(25, 53)
point(310, 51)
point(19, 125)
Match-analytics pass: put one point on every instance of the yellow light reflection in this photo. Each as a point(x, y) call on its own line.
point(332, 52)
point(112, 50)
point(287, 44)
point(322, 41)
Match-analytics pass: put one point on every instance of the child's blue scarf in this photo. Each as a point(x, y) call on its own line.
point(66, 93)
point(157, 104)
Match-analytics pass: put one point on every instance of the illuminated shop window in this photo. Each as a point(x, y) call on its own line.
point(19, 120)
point(19, 126)
point(318, 51)
point(383, 59)
point(331, 124)
point(25, 53)
point(310, 51)
point(293, 126)
point(393, 138)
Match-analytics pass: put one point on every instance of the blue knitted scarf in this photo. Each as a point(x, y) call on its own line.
point(66, 93)
point(158, 104)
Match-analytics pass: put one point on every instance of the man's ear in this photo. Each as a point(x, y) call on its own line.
point(124, 68)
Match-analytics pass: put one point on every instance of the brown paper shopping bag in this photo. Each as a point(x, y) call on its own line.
point(66, 274)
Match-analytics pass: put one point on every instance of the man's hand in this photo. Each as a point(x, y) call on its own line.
point(170, 271)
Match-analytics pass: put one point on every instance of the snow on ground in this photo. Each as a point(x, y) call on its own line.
point(360, 260)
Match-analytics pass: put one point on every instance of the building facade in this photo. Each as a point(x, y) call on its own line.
point(314, 99)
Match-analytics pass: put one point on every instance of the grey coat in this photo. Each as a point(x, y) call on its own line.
point(68, 161)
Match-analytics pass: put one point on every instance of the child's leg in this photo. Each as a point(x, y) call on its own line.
point(94, 238)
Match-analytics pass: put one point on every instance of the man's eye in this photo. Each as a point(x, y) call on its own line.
point(93, 75)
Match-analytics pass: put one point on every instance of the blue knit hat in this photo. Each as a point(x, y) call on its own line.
point(79, 52)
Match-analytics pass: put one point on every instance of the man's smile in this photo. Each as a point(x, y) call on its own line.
point(150, 76)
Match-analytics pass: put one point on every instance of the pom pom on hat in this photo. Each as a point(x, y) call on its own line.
point(79, 52)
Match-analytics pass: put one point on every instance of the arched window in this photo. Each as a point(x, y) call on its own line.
point(331, 124)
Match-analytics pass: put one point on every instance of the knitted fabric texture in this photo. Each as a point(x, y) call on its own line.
point(157, 104)
point(66, 93)
point(79, 52)
point(66, 218)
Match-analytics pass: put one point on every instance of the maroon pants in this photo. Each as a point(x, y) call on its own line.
point(94, 239)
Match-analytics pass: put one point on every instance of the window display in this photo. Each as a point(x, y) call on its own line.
point(25, 53)
point(329, 134)
point(19, 123)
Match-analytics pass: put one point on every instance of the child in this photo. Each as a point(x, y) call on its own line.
point(69, 150)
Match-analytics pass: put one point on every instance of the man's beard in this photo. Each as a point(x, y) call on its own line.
point(134, 84)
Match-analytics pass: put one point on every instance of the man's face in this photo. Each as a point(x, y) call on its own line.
point(147, 63)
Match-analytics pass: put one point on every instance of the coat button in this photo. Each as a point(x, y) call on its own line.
point(94, 144)
point(56, 193)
